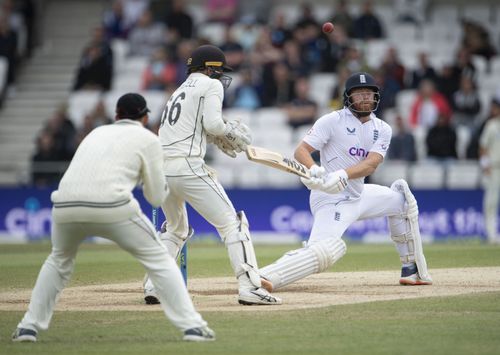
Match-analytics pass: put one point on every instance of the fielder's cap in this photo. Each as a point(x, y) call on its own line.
point(131, 106)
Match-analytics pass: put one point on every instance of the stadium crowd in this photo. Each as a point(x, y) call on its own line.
point(274, 60)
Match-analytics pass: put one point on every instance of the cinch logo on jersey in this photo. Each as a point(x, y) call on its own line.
point(358, 152)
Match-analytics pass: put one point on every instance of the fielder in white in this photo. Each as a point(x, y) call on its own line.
point(352, 143)
point(193, 115)
point(490, 163)
point(95, 198)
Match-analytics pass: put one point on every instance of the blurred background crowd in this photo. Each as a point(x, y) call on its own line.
point(437, 65)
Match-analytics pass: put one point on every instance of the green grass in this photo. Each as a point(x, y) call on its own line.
point(447, 325)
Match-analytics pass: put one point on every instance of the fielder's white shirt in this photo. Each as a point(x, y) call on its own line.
point(193, 110)
point(490, 140)
point(108, 164)
point(343, 141)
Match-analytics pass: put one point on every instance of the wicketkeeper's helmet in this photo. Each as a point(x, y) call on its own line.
point(360, 80)
point(208, 56)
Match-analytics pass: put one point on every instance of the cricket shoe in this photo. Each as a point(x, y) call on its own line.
point(24, 335)
point(411, 277)
point(257, 296)
point(150, 296)
point(199, 334)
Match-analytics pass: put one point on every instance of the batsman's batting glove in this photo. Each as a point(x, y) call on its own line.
point(335, 182)
point(317, 171)
point(313, 183)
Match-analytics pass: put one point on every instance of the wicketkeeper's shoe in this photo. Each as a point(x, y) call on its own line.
point(24, 335)
point(411, 277)
point(150, 296)
point(199, 334)
point(257, 296)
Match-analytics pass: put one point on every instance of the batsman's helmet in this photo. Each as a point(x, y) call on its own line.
point(360, 80)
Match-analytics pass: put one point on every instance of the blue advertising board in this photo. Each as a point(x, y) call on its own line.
point(25, 214)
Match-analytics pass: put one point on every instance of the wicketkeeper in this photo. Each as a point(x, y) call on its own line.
point(193, 116)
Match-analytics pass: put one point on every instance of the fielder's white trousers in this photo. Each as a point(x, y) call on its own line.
point(332, 220)
point(490, 203)
point(137, 236)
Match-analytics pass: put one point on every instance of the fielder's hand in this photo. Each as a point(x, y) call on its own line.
point(335, 182)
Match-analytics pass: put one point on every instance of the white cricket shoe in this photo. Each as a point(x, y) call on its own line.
point(257, 296)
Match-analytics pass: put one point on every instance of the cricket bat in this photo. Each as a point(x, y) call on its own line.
point(276, 160)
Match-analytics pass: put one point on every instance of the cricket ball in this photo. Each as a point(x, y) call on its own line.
point(327, 27)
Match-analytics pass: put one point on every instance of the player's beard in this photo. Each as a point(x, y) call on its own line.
point(364, 108)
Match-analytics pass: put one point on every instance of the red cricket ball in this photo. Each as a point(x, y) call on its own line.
point(327, 27)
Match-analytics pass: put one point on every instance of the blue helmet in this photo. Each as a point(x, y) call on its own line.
point(360, 80)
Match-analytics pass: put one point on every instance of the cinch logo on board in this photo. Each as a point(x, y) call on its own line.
point(358, 152)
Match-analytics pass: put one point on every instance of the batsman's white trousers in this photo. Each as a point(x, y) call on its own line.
point(332, 219)
point(137, 236)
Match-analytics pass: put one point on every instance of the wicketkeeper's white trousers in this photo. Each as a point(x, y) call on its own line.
point(137, 236)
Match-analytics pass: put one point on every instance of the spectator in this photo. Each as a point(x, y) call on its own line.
point(63, 133)
point(95, 69)
point(337, 99)
point(354, 60)
point(342, 17)
point(115, 23)
point(27, 9)
point(264, 53)
point(160, 72)
point(441, 140)
point(235, 56)
point(246, 33)
point(8, 48)
point(393, 69)
point(389, 88)
point(428, 106)
point(449, 80)
point(466, 104)
point(412, 11)
point(477, 40)
point(402, 143)
point(97, 117)
point(423, 71)
point(278, 85)
point(367, 26)
point(246, 94)
point(335, 49)
point(182, 53)
point(301, 110)
point(44, 171)
point(280, 33)
point(224, 11)
point(132, 10)
point(306, 18)
point(146, 36)
point(257, 10)
point(293, 59)
point(179, 20)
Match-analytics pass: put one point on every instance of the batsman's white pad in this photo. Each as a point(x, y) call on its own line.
point(173, 243)
point(299, 263)
point(412, 237)
point(241, 252)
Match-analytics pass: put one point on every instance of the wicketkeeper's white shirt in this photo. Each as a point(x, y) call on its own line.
point(343, 141)
point(108, 164)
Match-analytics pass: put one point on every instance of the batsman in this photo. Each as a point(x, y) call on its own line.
point(191, 118)
point(352, 143)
